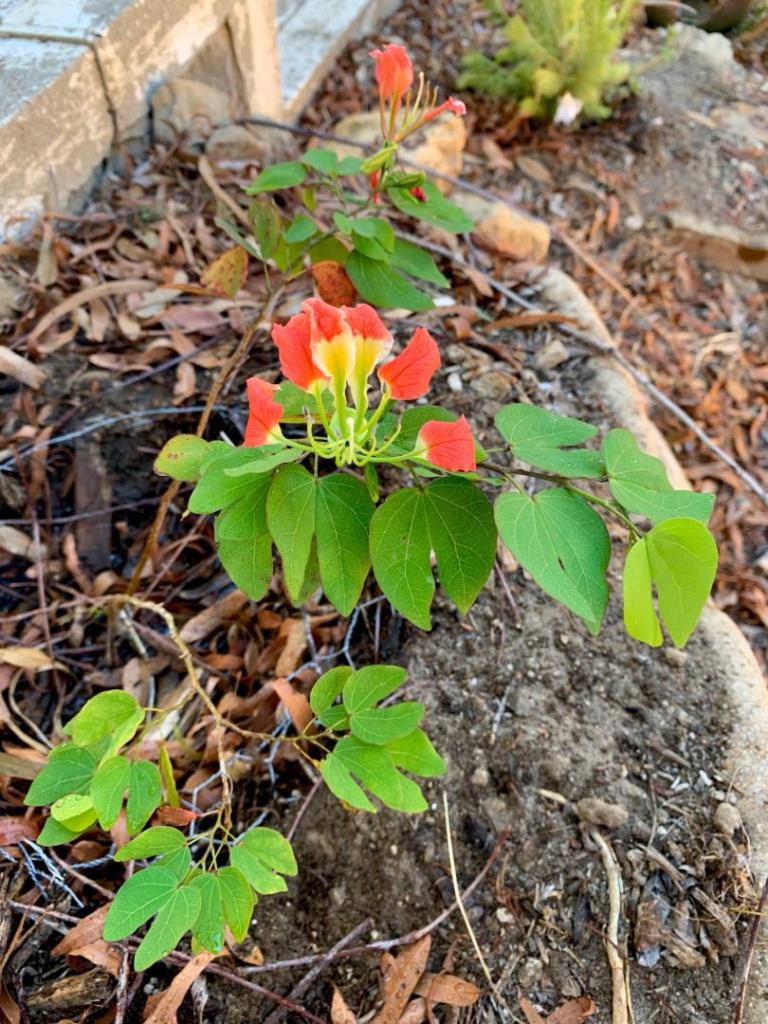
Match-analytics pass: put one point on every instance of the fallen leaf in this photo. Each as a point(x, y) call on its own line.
point(532, 1015)
point(20, 368)
point(340, 1012)
point(447, 988)
point(167, 1003)
point(84, 932)
point(296, 704)
point(14, 829)
point(205, 622)
point(402, 977)
point(100, 954)
point(332, 283)
point(178, 816)
point(575, 1011)
point(10, 1013)
point(227, 274)
point(28, 657)
point(295, 634)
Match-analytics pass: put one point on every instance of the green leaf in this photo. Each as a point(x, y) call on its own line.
point(681, 560)
point(276, 177)
point(75, 811)
point(366, 687)
point(216, 488)
point(244, 542)
point(639, 482)
point(380, 725)
point(327, 249)
point(343, 514)
point(209, 927)
point(417, 263)
point(370, 248)
point(179, 862)
point(563, 544)
point(416, 754)
point(327, 688)
point(144, 795)
point(259, 854)
point(300, 229)
point(137, 900)
point(174, 919)
point(376, 228)
point(291, 521)
point(108, 787)
point(155, 841)
point(69, 770)
point(53, 833)
point(311, 582)
point(266, 224)
point(338, 779)
point(350, 165)
point(236, 901)
point(112, 713)
point(543, 439)
point(400, 554)
point(181, 457)
point(322, 160)
point(436, 210)
point(383, 286)
point(463, 535)
point(374, 768)
point(269, 458)
point(245, 243)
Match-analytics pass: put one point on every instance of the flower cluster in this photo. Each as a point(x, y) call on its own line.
point(331, 352)
point(394, 76)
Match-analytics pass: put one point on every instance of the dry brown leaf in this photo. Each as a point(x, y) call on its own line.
point(166, 1005)
point(205, 622)
point(332, 283)
point(340, 1012)
point(227, 274)
point(14, 829)
point(296, 704)
point(84, 932)
point(73, 302)
point(534, 169)
point(402, 977)
point(100, 954)
point(295, 634)
point(20, 368)
point(10, 1013)
point(28, 657)
point(447, 988)
point(575, 1011)
point(532, 1015)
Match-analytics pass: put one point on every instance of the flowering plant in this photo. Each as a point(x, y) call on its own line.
point(331, 527)
point(337, 213)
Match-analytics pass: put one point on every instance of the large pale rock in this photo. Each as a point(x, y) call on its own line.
point(500, 227)
point(184, 105)
point(438, 147)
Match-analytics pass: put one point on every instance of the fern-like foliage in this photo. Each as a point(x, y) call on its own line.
point(556, 49)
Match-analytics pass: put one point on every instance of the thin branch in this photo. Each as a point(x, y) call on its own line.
point(754, 930)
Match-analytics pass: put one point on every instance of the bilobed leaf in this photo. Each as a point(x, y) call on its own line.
point(209, 927)
point(291, 521)
point(259, 854)
point(152, 843)
point(75, 811)
point(327, 688)
point(178, 861)
point(382, 285)
point(112, 713)
point(182, 457)
point(343, 516)
point(639, 482)
point(278, 176)
point(367, 686)
point(264, 881)
point(416, 754)
point(640, 619)
point(681, 558)
point(244, 542)
point(400, 554)
point(236, 901)
point(374, 768)
point(463, 535)
point(173, 920)
point(215, 488)
point(137, 900)
point(338, 779)
point(55, 834)
point(543, 439)
point(563, 544)
point(227, 274)
point(417, 263)
point(322, 160)
point(269, 457)
point(144, 795)
point(436, 210)
point(69, 770)
point(380, 725)
point(108, 787)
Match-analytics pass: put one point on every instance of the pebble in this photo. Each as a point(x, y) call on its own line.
point(505, 916)
point(480, 777)
point(674, 657)
point(599, 812)
point(455, 383)
point(492, 385)
point(727, 819)
point(530, 973)
point(552, 355)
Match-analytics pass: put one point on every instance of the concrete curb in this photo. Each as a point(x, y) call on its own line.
point(747, 759)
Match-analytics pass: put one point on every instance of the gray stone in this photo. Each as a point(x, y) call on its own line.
point(599, 812)
point(186, 106)
point(727, 819)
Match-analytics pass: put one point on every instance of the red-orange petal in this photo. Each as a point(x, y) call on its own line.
point(364, 322)
point(450, 106)
point(326, 321)
point(449, 445)
point(263, 413)
point(296, 361)
point(394, 71)
point(409, 374)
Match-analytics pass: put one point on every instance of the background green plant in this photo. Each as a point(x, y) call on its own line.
point(556, 48)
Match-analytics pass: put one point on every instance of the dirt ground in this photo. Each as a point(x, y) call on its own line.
point(532, 714)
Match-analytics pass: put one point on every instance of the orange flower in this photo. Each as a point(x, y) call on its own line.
point(372, 344)
point(394, 72)
point(409, 374)
point(331, 341)
point(263, 414)
point(448, 445)
point(450, 106)
point(293, 344)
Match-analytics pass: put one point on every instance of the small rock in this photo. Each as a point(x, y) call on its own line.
point(499, 227)
point(522, 704)
point(455, 382)
point(529, 973)
point(500, 814)
point(480, 777)
point(236, 142)
point(674, 657)
point(727, 819)
point(493, 385)
point(184, 105)
point(634, 222)
point(505, 916)
point(552, 355)
point(599, 812)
